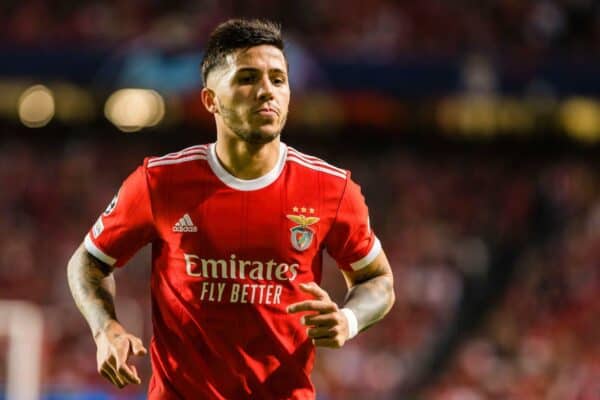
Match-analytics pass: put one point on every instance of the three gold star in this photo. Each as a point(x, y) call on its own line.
point(303, 209)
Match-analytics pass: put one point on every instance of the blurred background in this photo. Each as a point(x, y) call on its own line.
point(472, 127)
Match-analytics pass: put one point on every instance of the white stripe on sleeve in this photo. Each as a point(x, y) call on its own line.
point(366, 260)
point(96, 252)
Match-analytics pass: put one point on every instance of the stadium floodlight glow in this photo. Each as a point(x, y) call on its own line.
point(130, 110)
point(73, 103)
point(36, 106)
point(581, 118)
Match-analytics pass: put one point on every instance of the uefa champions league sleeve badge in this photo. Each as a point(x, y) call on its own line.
point(113, 204)
point(301, 235)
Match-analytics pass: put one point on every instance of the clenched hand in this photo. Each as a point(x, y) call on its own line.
point(326, 326)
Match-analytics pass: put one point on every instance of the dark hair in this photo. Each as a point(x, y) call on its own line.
point(237, 34)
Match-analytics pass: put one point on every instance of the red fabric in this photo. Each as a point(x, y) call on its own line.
point(221, 330)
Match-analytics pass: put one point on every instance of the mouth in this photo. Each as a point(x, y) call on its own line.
point(267, 111)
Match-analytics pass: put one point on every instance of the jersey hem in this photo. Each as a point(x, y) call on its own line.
point(94, 250)
point(366, 260)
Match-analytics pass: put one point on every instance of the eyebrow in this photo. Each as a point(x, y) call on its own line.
point(251, 69)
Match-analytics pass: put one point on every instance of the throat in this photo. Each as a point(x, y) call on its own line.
point(247, 162)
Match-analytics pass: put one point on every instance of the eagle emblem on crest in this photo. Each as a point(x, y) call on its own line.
point(302, 235)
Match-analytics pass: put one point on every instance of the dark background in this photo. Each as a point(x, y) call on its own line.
point(472, 127)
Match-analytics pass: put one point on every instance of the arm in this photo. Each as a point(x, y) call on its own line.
point(370, 297)
point(370, 291)
point(93, 288)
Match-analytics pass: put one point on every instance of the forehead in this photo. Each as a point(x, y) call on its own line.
point(264, 57)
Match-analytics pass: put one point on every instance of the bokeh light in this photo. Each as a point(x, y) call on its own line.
point(581, 118)
point(36, 106)
point(130, 110)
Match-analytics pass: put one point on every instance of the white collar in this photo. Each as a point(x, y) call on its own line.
point(246, 184)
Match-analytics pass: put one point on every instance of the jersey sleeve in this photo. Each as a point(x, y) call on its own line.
point(351, 242)
point(126, 225)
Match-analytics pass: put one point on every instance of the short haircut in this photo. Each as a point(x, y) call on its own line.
point(236, 34)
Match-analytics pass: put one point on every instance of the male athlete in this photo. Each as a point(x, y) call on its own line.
point(237, 228)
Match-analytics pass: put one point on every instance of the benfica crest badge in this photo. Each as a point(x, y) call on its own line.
point(302, 235)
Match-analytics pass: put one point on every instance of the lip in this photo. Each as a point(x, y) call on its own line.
point(267, 111)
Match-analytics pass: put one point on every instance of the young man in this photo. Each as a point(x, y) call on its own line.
point(237, 230)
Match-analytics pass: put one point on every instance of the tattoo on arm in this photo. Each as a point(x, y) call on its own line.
point(93, 289)
point(371, 293)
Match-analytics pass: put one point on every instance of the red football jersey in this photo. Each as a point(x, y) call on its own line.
point(228, 256)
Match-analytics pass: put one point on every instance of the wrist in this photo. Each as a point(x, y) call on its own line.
point(351, 320)
point(109, 327)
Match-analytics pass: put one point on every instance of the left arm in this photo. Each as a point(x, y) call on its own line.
point(370, 297)
point(370, 291)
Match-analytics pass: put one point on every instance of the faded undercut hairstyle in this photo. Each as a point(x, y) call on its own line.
point(236, 34)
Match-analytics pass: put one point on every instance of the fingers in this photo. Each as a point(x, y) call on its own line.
point(115, 367)
point(333, 343)
point(109, 373)
point(326, 320)
point(110, 377)
point(315, 290)
point(327, 327)
point(322, 303)
point(124, 371)
point(137, 347)
point(326, 330)
point(320, 332)
point(320, 306)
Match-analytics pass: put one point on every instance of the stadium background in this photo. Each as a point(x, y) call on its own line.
point(473, 128)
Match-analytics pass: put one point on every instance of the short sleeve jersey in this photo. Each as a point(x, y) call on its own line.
point(228, 256)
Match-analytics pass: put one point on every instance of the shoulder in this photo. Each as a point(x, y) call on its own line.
point(182, 157)
point(315, 165)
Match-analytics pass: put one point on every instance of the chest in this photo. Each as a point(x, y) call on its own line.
point(282, 221)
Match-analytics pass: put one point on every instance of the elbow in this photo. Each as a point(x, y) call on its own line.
point(77, 258)
point(391, 293)
point(73, 264)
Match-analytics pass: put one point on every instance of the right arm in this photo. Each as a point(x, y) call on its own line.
point(92, 286)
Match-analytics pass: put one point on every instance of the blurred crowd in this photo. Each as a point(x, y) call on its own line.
point(541, 341)
point(444, 218)
point(378, 28)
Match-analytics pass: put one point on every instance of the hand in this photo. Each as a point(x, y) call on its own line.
point(114, 345)
point(327, 327)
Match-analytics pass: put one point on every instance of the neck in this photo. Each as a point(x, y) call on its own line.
point(245, 160)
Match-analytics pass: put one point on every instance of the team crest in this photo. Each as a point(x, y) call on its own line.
point(302, 235)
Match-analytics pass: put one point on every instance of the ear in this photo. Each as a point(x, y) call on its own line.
point(209, 100)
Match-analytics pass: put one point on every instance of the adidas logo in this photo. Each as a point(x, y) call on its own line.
point(185, 224)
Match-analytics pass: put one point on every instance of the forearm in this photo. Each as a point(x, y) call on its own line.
point(371, 300)
point(93, 289)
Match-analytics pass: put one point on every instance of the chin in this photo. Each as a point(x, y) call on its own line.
point(260, 137)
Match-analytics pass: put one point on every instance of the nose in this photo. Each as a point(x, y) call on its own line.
point(265, 89)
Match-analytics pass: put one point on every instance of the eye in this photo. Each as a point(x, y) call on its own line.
point(245, 79)
point(278, 81)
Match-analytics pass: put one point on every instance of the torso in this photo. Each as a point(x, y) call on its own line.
point(228, 260)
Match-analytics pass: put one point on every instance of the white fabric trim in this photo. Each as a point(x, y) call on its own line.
point(366, 260)
point(298, 160)
point(246, 184)
point(193, 149)
point(314, 160)
point(96, 252)
point(352, 322)
point(176, 160)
